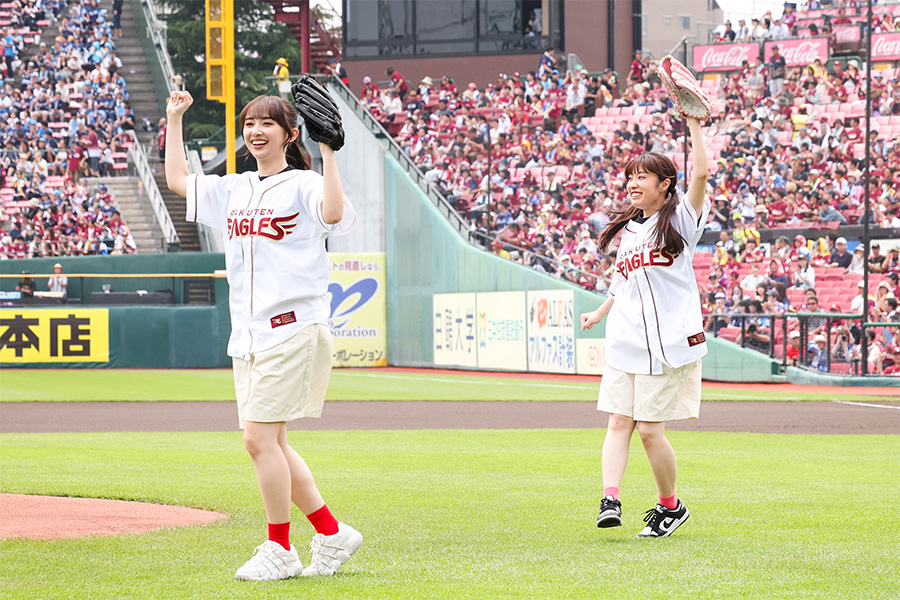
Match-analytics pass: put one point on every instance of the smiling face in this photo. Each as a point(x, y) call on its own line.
point(265, 138)
point(646, 191)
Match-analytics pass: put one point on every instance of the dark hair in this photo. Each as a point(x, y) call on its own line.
point(666, 236)
point(280, 111)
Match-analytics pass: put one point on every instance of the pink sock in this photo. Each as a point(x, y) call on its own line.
point(670, 502)
point(323, 521)
point(611, 491)
point(280, 532)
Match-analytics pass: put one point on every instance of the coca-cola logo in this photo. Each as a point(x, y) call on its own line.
point(728, 56)
point(886, 45)
point(805, 52)
point(846, 34)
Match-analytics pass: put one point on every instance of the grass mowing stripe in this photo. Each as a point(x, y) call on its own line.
point(484, 381)
point(63, 385)
point(474, 515)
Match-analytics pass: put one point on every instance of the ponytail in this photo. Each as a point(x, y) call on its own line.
point(296, 156)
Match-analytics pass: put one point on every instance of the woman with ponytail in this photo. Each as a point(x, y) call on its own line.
point(654, 333)
point(274, 222)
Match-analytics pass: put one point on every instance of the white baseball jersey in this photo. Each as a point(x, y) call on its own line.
point(655, 319)
point(275, 255)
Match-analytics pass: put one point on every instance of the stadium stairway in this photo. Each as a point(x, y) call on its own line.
point(144, 102)
point(141, 94)
point(129, 199)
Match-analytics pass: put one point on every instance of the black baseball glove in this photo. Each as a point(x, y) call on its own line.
point(319, 112)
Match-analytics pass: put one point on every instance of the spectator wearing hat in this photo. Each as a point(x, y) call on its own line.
point(284, 78)
point(793, 349)
point(840, 257)
point(777, 68)
point(718, 315)
point(818, 353)
point(59, 282)
point(338, 71)
point(856, 304)
point(858, 262)
point(876, 259)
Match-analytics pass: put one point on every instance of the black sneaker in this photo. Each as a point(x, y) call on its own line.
point(610, 513)
point(662, 521)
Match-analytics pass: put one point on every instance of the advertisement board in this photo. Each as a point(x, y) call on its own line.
point(54, 335)
point(886, 46)
point(453, 329)
point(591, 353)
point(724, 57)
point(501, 331)
point(798, 52)
point(551, 331)
point(358, 301)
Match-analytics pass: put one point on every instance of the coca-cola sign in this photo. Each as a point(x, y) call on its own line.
point(799, 53)
point(847, 33)
point(886, 46)
point(724, 57)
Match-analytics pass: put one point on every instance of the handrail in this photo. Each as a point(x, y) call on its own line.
point(209, 240)
point(155, 31)
point(461, 223)
point(142, 168)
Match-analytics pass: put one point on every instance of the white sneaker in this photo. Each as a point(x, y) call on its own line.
point(271, 561)
point(329, 552)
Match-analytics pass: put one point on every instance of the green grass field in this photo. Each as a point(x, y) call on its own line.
point(175, 385)
point(475, 514)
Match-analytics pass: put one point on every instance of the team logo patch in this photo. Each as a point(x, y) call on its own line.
point(696, 339)
point(283, 319)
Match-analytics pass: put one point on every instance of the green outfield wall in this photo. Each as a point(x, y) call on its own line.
point(86, 332)
point(427, 256)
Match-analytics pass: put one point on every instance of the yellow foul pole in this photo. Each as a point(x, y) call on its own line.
point(220, 67)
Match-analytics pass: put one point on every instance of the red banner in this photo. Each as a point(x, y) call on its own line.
point(847, 33)
point(799, 53)
point(886, 46)
point(724, 57)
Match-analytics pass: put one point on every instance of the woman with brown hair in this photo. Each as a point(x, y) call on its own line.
point(654, 334)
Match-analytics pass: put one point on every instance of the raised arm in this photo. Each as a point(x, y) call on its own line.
point(176, 162)
point(697, 187)
point(333, 198)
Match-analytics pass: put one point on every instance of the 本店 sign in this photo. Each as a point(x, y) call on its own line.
point(42, 335)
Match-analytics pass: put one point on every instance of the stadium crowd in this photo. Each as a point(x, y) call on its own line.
point(535, 161)
point(64, 115)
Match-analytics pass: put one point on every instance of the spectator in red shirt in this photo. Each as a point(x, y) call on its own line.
point(398, 82)
point(638, 68)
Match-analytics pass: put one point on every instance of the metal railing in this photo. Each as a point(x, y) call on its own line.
point(751, 332)
point(156, 32)
point(160, 211)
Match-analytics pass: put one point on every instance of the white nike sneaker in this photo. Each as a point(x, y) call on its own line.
point(270, 561)
point(329, 552)
point(662, 521)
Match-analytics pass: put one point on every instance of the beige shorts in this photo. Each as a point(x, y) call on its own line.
point(653, 398)
point(286, 382)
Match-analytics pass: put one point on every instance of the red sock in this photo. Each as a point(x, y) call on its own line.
point(323, 521)
point(280, 532)
point(611, 491)
point(670, 502)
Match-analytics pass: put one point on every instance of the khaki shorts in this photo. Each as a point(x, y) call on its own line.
point(653, 398)
point(286, 382)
